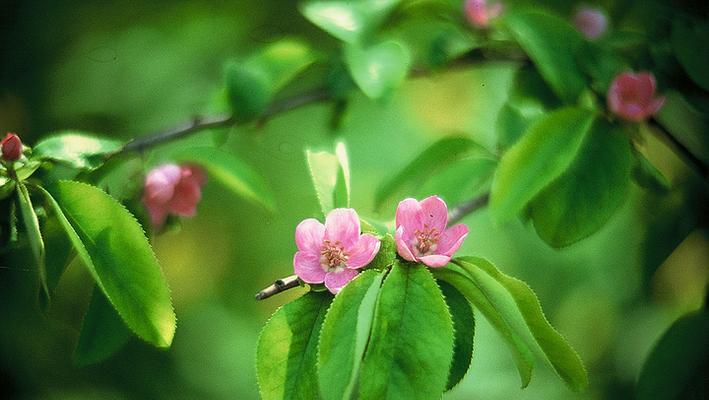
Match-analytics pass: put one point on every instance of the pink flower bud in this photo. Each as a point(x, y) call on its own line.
point(631, 96)
point(11, 147)
point(592, 22)
point(479, 13)
point(172, 189)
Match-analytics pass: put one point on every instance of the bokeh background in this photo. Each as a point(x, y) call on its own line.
point(125, 69)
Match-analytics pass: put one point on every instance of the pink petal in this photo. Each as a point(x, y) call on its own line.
point(160, 183)
point(157, 213)
point(194, 173)
point(309, 235)
point(408, 215)
point(185, 199)
point(342, 225)
point(307, 267)
point(435, 260)
point(363, 253)
point(434, 212)
point(645, 86)
point(335, 281)
point(401, 245)
point(632, 112)
point(451, 239)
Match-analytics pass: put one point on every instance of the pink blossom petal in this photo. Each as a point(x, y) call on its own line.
point(408, 215)
point(591, 22)
point(158, 214)
point(645, 86)
point(363, 253)
point(632, 112)
point(184, 201)
point(160, 183)
point(309, 235)
point(307, 267)
point(435, 260)
point(451, 239)
point(342, 225)
point(434, 212)
point(401, 245)
point(335, 281)
point(194, 173)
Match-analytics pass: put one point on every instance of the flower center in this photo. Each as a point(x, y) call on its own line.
point(426, 240)
point(333, 257)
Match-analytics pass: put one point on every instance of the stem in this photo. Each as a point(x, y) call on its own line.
point(467, 207)
point(280, 285)
point(682, 150)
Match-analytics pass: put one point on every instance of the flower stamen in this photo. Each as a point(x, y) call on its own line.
point(426, 240)
point(333, 257)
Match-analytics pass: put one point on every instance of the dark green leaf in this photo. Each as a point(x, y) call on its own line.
point(582, 200)
point(686, 123)
point(77, 149)
point(286, 354)
point(34, 236)
point(330, 173)
point(690, 41)
point(102, 333)
point(464, 331)
point(551, 42)
point(540, 156)
point(345, 334)
point(601, 64)
point(349, 21)
point(411, 346)
point(378, 69)
point(113, 246)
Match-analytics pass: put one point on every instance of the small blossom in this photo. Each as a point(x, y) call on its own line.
point(332, 253)
point(172, 189)
point(11, 147)
point(631, 96)
point(592, 22)
point(479, 13)
point(421, 233)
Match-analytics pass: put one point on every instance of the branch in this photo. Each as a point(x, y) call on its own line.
point(683, 150)
point(467, 207)
point(280, 285)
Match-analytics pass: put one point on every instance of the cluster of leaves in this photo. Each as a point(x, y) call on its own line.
point(399, 330)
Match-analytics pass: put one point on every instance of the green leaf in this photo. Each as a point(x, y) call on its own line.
point(349, 21)
point(601, 64)
point(552, 43)
point(286, 353)
point(411, 346)
point(34, 236)
point(686, 123)
point(331, 177)
point(253, 83)
point(231, 172)
point(378, 69)
point(102, 334)
point(464, 332)
point(460, 181)
point(113, 246)
point(540, 156)
point(493, 301)
point(648, 176)
point(436, 157)
point(690, 41)
point(582, 200)
point(76, 149)
point(559, 353)
point(345, 334)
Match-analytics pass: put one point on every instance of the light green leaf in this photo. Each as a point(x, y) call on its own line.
point(582, 200)
point(113, 246)
point(437, 157)
point(460, 181)
point(552, 43)
point(252, 83)
point(378, 69)
point(411, 346)
point(76, 149)
point(648, 176)
point(231, 172)
point(102, 334)
point(331, 177)
point(34, 236)
point(690, 41)
point(286, 353)
point(345, 334)
point(559, 353)
point(349, 21)
point(674, 370)
point(540, 156)
point(464, 332)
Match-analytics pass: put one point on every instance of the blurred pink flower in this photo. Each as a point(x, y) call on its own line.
point(333, 252)
point(11, 147)
point(421, 233)
point(479, 13)
point(631, 96)
point(172, 189)
point(592, 22)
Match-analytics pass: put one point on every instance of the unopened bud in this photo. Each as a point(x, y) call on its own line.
point(11, 147)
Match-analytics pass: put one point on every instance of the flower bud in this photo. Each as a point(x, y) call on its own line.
point(479, 13)
point(631, 96)
point(172, 189)
point(592, 22)
point(11, 147)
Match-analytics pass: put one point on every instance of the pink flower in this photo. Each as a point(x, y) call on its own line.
point(333, 252)
point(592, 22)
point(11, 147)
point(631, 96)
point(421, 233)
point(172, 189)
point(479, 13)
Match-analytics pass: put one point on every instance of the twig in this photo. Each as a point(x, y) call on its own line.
point(280, 285)
point(467, 207)
point(683, 151)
